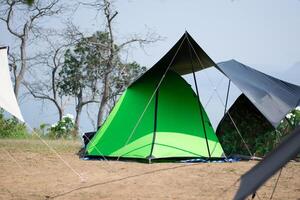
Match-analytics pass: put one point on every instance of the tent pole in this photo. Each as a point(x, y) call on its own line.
point(227, 95)
point(199, 102)
point(150, 157)
point(201, 112)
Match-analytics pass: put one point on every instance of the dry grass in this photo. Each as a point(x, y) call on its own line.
point(39, 174)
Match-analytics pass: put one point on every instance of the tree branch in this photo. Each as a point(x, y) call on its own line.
point(8, 19)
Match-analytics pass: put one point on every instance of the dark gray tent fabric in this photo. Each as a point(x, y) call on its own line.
point(274, 98)
point(260, 173)
point(181, 56)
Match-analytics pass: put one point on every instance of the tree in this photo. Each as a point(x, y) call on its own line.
point(122, 76)
point(85, 68)
point(75, 79)
point(113, 50)
point(82, 71)
point(51, 61)
point(21, 21)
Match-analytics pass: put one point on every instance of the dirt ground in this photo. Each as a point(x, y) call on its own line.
point(30, 170)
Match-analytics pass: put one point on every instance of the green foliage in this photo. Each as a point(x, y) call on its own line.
point(125, 75)
point(93, 70)
point(62, 129)
point(11, 128)
point(84, 66)
point(29, 2)
point(291, 121)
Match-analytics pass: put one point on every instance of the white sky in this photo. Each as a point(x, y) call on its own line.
point(262, 34)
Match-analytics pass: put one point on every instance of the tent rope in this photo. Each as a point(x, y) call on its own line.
point(101, 154)
point(56, 153)
point(277, 180)
point(212, 93)
point(152, 96)
point(276, 184)
point(14, 160)
point(237, 129)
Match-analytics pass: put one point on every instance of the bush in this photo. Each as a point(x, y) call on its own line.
point(11, 128)
point(63, 128)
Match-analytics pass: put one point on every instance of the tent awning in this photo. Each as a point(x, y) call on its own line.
point(273, 97)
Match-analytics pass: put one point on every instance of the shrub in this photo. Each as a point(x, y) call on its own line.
point(11, 128)
point(63, 128)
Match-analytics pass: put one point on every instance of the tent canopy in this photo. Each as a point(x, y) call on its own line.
point(273, 97)
point(8, 99)
point(181, 56)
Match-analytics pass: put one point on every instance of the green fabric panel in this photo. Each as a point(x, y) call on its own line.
point(170, 144)
point(178, 111)
point(179, 126)
point(137, 148)
point(92, 145)
point(116, 132)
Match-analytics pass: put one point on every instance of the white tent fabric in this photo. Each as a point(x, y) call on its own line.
point(8, 99)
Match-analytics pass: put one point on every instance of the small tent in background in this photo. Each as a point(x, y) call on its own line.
point(8, 99)
point(159, 115)
point(264, 103)
point(273, 97)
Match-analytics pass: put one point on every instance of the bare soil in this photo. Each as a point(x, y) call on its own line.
point(30, 170)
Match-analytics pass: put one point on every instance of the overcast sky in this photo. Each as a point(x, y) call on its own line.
point(262, 34)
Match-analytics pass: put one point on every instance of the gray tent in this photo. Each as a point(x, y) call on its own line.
point(274, 98)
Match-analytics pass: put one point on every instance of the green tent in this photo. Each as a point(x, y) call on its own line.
point(159, 115)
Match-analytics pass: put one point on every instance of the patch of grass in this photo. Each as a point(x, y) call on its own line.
point(37, 146)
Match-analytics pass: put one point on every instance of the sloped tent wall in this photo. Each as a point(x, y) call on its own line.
point(179, 131)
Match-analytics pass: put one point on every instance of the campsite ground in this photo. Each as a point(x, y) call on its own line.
point(29, 170)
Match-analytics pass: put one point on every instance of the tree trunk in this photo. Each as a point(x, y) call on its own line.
point(20, 76)
point(109, 18)
point(103, 101)
point(54, 93)
point(77, 118)
point(78, 112)
point(60, 111)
